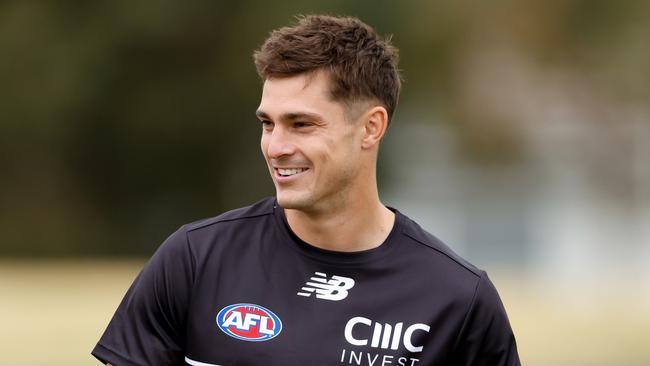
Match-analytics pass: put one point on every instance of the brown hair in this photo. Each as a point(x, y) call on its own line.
point(361, 65)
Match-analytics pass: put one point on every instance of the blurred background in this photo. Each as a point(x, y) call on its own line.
point(522, 139)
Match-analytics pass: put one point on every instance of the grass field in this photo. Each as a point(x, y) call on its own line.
point(52, 313)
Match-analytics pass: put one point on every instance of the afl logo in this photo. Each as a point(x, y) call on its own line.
point(249, 322)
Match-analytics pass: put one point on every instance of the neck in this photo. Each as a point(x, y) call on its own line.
point(359, 224)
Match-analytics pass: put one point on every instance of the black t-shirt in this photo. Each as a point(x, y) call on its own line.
point(243, 289)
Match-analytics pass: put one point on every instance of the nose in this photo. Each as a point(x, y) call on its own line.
point(278, 143)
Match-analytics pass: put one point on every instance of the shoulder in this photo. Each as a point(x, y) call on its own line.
point(261, 208)
point(430, 248)
point(443, 273)
point(462, 283)
point(205, 229)
point(204, 238)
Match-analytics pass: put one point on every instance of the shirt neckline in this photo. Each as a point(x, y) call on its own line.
point(332, 256)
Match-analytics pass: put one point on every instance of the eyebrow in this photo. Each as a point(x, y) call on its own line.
point(291, 116)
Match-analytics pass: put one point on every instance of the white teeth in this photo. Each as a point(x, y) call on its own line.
point(292, 171)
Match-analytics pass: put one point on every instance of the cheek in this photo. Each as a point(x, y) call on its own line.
point(263, 145)
point(349, 146)
point(341, 157)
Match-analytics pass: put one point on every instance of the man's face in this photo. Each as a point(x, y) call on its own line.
point(311, 149)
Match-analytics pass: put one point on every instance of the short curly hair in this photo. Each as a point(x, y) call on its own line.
point(361, 65)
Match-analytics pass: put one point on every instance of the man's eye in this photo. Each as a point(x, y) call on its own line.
point(266, 124)
point(301, 124)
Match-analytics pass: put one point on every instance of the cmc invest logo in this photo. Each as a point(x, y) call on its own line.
point(249, 322)
point(384, 336)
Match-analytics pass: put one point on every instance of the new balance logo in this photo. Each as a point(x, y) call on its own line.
point(335, 289)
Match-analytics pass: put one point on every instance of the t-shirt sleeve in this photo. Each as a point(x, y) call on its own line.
point(148, 327)
point(486, 338)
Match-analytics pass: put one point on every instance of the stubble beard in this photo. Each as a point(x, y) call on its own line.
point(327, 197)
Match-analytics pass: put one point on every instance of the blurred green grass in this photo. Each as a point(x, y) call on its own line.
point(53, 313)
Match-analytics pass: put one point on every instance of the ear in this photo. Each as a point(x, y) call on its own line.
point(375, 124)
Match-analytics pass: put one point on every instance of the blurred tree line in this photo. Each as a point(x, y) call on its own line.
point(122, 120)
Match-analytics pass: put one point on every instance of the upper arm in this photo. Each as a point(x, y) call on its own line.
point(486, 337)
point(149, 324)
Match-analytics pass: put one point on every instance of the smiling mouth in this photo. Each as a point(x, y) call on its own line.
point(289, 171)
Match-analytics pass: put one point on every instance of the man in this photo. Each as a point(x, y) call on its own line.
point(324, 273)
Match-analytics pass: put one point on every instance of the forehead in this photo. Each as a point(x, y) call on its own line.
point(299, 93)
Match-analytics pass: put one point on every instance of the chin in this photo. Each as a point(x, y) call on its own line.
point(294, 200)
